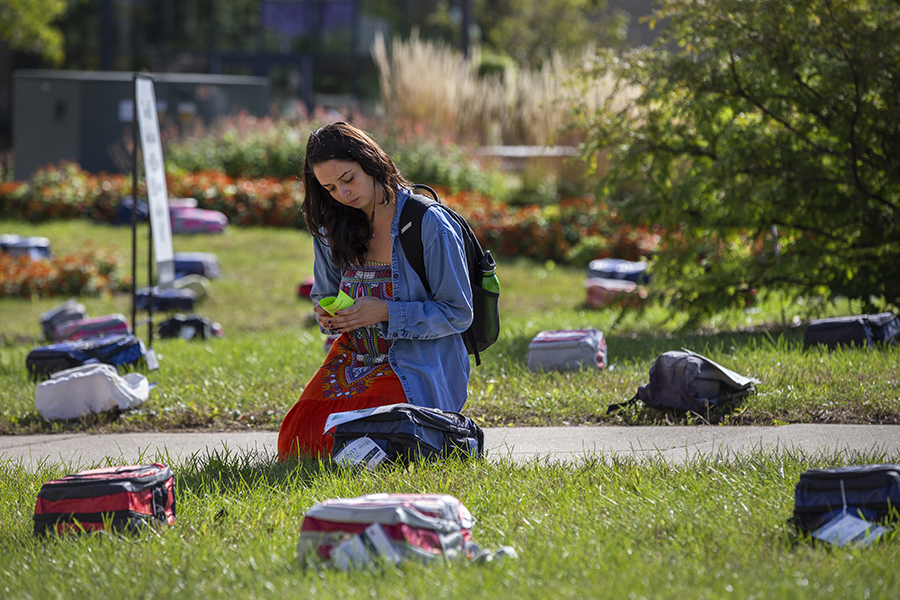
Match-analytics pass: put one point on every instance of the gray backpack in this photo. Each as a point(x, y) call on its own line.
point(684, 380)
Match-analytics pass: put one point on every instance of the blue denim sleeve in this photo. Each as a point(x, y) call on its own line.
point(412, 315)
point(327, 276)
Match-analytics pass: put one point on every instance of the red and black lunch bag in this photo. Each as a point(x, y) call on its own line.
point(120, 498)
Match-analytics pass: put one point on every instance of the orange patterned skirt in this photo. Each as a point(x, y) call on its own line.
point(337, 386)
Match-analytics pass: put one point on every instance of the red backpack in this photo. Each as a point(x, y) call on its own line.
point(118, 498)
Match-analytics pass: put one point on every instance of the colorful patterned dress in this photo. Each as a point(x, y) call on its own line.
point(356, 374)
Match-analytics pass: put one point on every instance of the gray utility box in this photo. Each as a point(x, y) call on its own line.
point(85, 116)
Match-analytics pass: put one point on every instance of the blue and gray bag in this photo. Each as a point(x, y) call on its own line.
point(689, 382)
point(122, 350)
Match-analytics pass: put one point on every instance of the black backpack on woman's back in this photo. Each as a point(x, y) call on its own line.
point(485, 327)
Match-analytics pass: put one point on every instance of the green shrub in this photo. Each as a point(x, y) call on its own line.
point(767, 135)
point(242, 146)
point(249, 148)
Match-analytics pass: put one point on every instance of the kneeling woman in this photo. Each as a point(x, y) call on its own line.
point(397, 343)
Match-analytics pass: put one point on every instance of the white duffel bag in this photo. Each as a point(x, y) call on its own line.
point(89, 389)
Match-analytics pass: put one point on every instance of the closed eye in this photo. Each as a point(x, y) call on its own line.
point(333, 188)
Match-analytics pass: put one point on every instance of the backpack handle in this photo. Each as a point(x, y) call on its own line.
point(429, 190)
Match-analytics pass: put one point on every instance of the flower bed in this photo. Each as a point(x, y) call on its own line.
point(88, 273)
point(63, 191)
point(263, 202)
point(572, 231)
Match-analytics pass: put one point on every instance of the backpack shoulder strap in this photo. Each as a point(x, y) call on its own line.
point(411, 241)
point(614, 408)
point(411, 231)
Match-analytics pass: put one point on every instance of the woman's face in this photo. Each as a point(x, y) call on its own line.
point(347, 183)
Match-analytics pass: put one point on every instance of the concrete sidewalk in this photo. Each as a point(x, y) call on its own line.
point(515, 443)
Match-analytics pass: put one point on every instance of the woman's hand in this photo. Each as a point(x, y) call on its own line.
point(364, 312)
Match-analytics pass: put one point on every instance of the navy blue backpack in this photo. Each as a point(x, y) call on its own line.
point(871, 492)
point(122, 350)
point(167, 300)
point(405, 432)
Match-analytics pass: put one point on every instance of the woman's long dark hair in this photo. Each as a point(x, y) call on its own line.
point(345, 229)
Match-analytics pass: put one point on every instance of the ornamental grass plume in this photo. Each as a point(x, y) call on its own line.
point(428, 82)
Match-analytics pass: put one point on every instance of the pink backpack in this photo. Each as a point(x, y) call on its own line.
point(197, 220)
point(82, 328)
point(353, 532)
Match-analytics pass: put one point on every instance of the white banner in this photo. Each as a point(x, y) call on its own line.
point(155, 176)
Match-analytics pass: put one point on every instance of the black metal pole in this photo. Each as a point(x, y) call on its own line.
point(464, 26)
point(134, 178)
point(354, 56)
point(215, 61)
point(134, 201)
point(107, 51)
point(150, 282)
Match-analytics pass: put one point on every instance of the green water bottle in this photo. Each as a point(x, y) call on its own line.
point(489, 279)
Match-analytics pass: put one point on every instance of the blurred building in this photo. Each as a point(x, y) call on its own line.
point(87, 116)
point(312, 52)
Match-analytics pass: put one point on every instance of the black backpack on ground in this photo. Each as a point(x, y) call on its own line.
point(174, 326)
point(686, 381)
point(165, 300)
point(119, 350)
point(868, 491)
point(70, 310)
point(197, 263)
point(485, 327)
point(406, 432)
point(860, 330)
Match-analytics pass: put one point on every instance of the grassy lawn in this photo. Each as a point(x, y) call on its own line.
point(251, 376)
point(607, 528)
point(610, 527)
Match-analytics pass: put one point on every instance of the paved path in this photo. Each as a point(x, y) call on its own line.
point(516, 443)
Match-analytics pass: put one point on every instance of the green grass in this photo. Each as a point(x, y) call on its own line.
point(608, 527)
point(251, 376)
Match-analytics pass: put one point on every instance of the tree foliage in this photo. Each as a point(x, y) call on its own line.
point(529, 30)
point(27, 26)
point(765, 142)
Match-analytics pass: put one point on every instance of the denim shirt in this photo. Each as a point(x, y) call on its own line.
point(427, 354)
